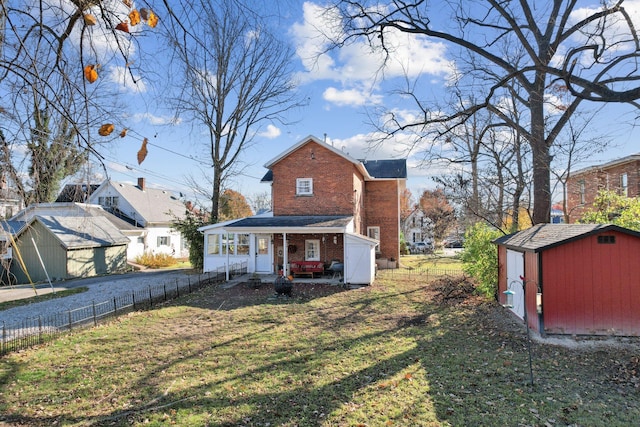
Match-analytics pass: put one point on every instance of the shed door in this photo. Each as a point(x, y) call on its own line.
point(515, 269)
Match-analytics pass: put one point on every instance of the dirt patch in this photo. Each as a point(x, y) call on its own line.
point(245, 294)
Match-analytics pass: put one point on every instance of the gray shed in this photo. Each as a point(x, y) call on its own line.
point(65, 247)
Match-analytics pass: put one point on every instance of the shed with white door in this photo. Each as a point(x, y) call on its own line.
point(578, 279)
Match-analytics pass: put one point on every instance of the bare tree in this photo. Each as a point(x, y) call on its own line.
point(236, 77)
point(521, 47)
point(51, 96)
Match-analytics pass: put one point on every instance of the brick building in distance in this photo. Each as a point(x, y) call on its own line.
point(582, 187)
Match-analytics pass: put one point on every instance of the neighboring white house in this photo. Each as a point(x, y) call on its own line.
point(417, 227)
point(151, 209)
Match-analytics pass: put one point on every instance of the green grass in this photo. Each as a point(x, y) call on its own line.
point(45, 297)
point(387, 355)
point(436, 261)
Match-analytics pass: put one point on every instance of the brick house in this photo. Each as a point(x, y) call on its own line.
point(621, 176)
point(326, 207)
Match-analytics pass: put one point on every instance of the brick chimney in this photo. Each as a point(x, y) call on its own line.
point(141, 183)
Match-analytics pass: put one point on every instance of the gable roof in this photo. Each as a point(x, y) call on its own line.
point(545, 236)
point(75, 232)
point(607, 165)
point(154, 205)
point(370, 169)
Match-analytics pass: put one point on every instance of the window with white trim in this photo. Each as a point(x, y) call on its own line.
point(624, 184)
point(164, 241)
point(304, 186)
point(374, 233)
point(213, 244)
point(242, 247)
point(312, 250)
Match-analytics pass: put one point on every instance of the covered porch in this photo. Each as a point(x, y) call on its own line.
point(304, 247)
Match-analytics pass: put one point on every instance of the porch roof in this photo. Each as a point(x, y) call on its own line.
point(288, 224)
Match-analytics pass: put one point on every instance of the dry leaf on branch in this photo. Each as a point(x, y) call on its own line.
point(134, 17)
point(123, 26)
point(90, 73)
point(142, 153)
point(106, 129)
point(89, 19)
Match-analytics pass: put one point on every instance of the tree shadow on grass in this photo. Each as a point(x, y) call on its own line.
point(373, 357)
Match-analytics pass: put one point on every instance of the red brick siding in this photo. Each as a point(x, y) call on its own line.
point(334, 181)
point(382, 209)
point(600, 179)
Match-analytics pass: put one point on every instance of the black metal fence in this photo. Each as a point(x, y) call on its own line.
point(425, 273)
point(41, 329)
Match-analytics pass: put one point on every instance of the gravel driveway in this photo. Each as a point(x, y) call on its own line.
point(101, 289)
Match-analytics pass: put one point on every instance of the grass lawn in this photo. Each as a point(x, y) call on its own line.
point(392, 354)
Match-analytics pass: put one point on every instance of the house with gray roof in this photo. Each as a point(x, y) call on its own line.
point(151, 210)
point(327, 208)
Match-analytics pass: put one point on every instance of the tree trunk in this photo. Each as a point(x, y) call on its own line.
point(540, 154)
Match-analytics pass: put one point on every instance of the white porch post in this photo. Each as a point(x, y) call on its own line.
point(285, 255)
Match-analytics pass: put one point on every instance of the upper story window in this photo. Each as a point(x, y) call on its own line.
point(108, 202)
point(582, 190)
point(304, 186)
point(624, 184)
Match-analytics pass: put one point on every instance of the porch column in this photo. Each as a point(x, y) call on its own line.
point(285, 255)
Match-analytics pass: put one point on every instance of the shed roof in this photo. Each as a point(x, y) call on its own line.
point(76, 232)
point(545, 236)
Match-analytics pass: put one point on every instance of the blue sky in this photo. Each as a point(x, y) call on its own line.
point(343, 88)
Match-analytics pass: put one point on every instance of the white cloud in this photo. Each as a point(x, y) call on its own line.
point(271, 132)
point(351, 97)
point(358, 62)
point(156, 120)
point(122, 77)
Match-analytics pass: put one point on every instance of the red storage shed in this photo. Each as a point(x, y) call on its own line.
point(578, 279)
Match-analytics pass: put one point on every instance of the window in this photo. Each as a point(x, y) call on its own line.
point(582, 190)
point(213, 244)
point(624, 184)
point(164, 240)
point(228, 242)
point(304, 186)
point(243, 244)
point(312, 250)
point(607, 240)
point(374, 233)
point(108, 201)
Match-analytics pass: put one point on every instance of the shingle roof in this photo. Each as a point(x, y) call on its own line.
point(154, 205)
point(83, 232)
point(545, 236)
point(293, 221)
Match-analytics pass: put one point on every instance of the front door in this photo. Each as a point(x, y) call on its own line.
point(263, 253)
